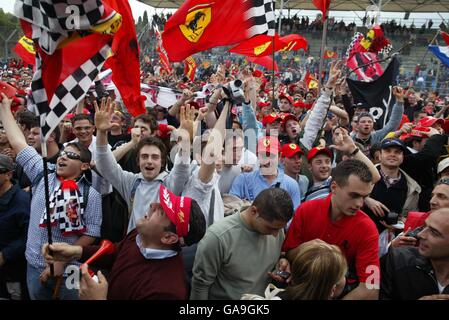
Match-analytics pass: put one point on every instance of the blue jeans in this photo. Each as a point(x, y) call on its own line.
point(39, 291)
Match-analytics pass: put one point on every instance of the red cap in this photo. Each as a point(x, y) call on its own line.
point(9, 90)
point(285, 96)
point(288, 117)
point(290, 149)
point(420, 132)
point(430, 121)
point(177, 209)
point(262, 104)
point(268, 145)
point(317, 150)
point(257, 74)
point(165, 131)
point(269, 119)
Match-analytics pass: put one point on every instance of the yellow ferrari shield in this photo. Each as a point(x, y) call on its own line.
point(196, 23)
point(261, 49)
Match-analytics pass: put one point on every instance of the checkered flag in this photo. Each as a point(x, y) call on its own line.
point(66, 66)
point(262, 18)
point(52, 21)
point(68, 94)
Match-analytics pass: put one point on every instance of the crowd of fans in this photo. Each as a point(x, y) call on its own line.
point(254, 187)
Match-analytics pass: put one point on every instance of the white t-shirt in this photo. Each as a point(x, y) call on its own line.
point(201, 193)
point(248, 159)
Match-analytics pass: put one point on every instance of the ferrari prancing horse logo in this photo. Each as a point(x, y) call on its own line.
point(196, 22)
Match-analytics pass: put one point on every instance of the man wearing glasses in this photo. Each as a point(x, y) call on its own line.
point(83, 127)
point(68, 186)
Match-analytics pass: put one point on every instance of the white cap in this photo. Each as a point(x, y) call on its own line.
point(443, 164)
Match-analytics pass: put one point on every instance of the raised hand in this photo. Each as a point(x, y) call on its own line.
point(398, 93)
point(103, 114)
point(344, 142)
point(186, 117)
point(5, 102)
point(334, 73)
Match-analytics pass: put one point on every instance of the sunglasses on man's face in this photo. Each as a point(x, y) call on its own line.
point(70, 155)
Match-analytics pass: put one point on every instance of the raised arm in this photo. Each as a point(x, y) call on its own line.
point(345, 144)
point(214, 146)
point(13, 133)
point(319, 111)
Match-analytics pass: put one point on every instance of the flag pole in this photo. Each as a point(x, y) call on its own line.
point(323, 44)
point(47, 192)
point(431, 42)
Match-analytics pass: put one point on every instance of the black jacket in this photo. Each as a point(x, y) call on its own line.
point(406, 275)
point(421, 167)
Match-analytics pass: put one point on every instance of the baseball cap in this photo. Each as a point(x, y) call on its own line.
point(9, 90)
point(285, 96)
point(318, 150)
point(420, 132)
point(262, 104)
point(6, 163)
point(360, 106)
point(177, 209)
point(269, 119)
point(388, 143)
point(290, 149)
point(268, 144)
point(443, 164)
point(286, 118)
point(430, 121)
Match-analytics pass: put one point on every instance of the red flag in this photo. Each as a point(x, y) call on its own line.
point(294, 42)
point(265, 61)
point(259, 46)
point(323, 6)
point(125, 63)
point(190, 68)
point(197, 26)
point(445, 36)
point(163, 58)
point(25, 50)
point(329, 54)
point(311, 81)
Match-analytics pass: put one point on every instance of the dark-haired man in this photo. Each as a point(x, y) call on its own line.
point(76, 215)
point(411, 273)
point(366, 135)
point(237, 252)
point(338, 220)
point(146, 264)
point(140, 190)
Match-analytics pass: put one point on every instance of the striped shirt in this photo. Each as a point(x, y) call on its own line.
point(32, 164)
point(319, 191)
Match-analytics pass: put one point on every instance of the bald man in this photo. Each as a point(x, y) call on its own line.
point(410, 273)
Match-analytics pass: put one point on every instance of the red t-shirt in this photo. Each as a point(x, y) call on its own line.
point(356, 236)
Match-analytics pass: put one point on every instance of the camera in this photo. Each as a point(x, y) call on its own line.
point(391, 218)
point(234, 91)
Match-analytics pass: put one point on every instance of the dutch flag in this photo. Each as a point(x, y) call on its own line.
point(441, 53)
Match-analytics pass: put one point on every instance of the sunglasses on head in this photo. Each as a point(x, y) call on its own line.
point(444, 181)
point(70, 155)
